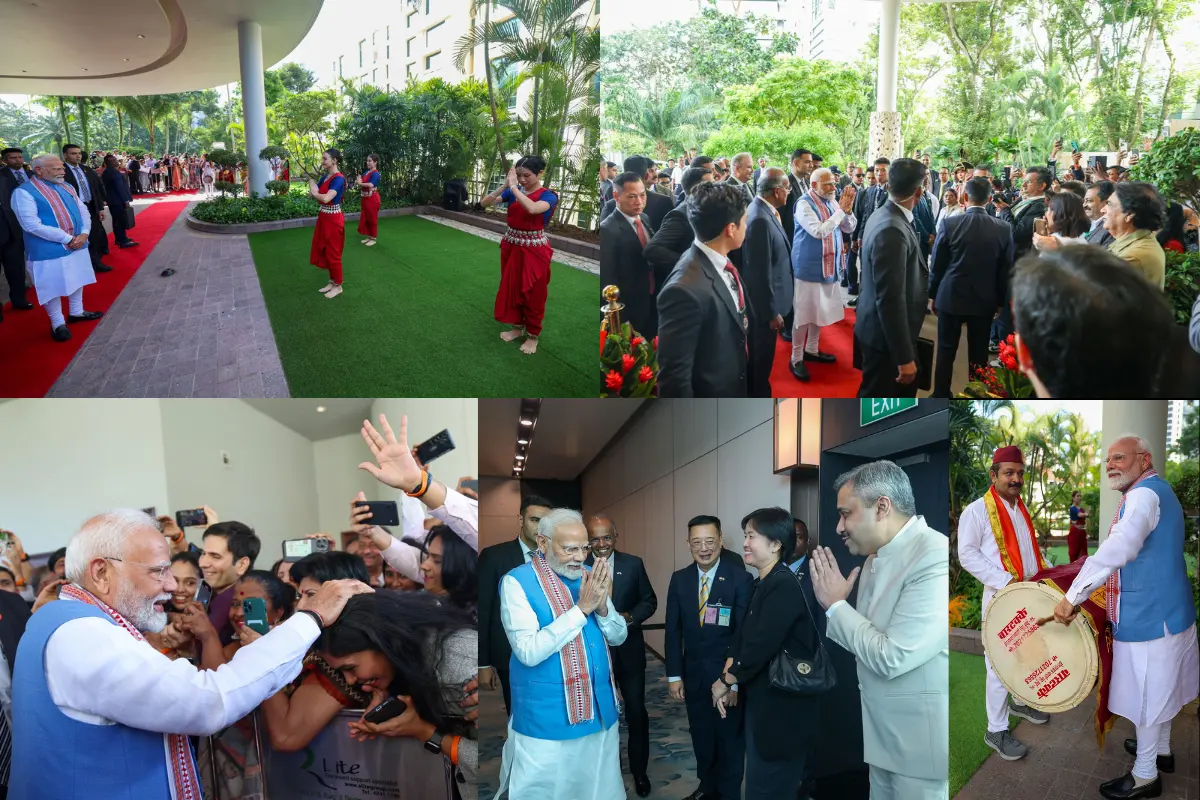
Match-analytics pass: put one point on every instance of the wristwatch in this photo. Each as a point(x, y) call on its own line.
point(434, 743)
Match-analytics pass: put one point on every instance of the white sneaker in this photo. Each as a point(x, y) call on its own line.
point(334, 292)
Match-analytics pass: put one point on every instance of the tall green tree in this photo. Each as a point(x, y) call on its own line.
point(678, 120)
point(295, 77)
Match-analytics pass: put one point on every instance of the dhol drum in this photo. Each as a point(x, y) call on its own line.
point(1052, 667)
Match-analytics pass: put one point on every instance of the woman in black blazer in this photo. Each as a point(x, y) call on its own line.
point(781, 727)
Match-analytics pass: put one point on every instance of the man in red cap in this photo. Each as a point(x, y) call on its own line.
point(997, 544)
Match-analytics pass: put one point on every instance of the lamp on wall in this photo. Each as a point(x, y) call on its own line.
point(797, 433)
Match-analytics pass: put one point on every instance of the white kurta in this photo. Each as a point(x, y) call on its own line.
point(819, 303)
point(57, 277)
point(1151, 680)
point(588, 768)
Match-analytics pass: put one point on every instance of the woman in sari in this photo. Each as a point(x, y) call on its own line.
point(525, 252)
point(368, 186)
point(329, 237)
point(176, 175)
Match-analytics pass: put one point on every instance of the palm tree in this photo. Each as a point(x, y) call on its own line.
point(46, 129)
point(148, 109)
point(464, 48)
point(679, 117)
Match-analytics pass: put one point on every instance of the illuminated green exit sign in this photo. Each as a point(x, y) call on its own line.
point(873, 409)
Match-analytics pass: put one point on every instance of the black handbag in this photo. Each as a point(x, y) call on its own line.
point(130, 221)
point(803, 676)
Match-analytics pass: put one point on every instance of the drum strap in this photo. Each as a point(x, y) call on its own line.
point(1006, 534)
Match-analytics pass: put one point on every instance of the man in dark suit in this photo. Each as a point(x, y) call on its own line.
point(706, 603)
point(1095, 205)
point(14, 614)
point(894, 292)
point(117, 195)
point(702, 310)
point(623, 238)
point(675, 236)
point(633, 598)
point(134, 168)
point(86, 183)
point(740, 172)
point(494, 562)
point(12, 251)
point(762, 165)
point(798, 179)
point(1021, 217)
point(972, 259)
point(864, 205)
point(657, 205)
point(767, 269)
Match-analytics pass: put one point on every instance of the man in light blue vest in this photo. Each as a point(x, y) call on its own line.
point(563, 739)
point(56, 226)
point(1155, 667)
point(100, 713)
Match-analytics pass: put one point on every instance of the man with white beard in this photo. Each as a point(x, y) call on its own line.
point(1155, 665)
point(816, 260)
point(563, 738)
point(85, 674)
point(56, 227)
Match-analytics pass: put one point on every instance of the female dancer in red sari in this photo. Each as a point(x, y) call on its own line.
point(330, 234)
point(368, 185)
point(525, 251)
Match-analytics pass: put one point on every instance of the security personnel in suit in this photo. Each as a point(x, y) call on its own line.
point(14, 614)
point(494, 562)
point(634, 599)
point(87, 184)
point(12, 251)
point(675, 236)
point(657, 205)
point(892, 268)
point(623, 238)
point(865, 204)
point(972, 259)
point(767, 267)
point(706, 602)
point(702, 309)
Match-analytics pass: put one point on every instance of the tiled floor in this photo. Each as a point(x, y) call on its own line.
point(1065, 764)
point(202, 332)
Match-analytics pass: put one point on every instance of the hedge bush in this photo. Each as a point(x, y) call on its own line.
point(295, 205)
point(1182, 283)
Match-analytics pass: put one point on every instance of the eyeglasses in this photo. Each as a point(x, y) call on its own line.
point(574, 550)
point(700, 545)
point(160, 572)
point(1119, 458)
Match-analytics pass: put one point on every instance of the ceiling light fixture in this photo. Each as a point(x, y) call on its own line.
point(320, 409)
point(141, 36)
point(520, 457)
point(526, 422)
point(522, 441)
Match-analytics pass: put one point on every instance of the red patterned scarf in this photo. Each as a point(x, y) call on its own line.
point(61, 215)
point(1112, 585)
point(576, 675)
point(185, 784)
point(828, 245)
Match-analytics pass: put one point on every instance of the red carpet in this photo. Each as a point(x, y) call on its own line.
point(31, 361)
point(839, 379)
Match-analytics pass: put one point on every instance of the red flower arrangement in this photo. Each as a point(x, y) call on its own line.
point(628, 364)
point(1004, 381)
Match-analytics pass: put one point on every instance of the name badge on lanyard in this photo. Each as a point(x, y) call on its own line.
point(717, 614)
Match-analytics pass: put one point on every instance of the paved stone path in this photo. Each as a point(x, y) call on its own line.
point(202, 332)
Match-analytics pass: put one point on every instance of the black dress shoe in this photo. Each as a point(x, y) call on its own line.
point(102, 267)
point(786, 334)
point(1165, 763)
point(1122, 788)
point(86, 316)
point(130, 243)
point(61, 333)
point(852, 302)
point(642, 784)
point(24, 305)
point(800, 372)
point(819, 357)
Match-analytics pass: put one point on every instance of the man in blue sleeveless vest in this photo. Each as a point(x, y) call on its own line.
point(563, 739)
point(97, 711)
point(816, 267)
point(1155, 668)
point(56, 226)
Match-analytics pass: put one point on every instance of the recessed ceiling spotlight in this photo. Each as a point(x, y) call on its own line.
point(320, 409)
point(526, 422)
point(84, 69)
point(520, 458)
point(522, 441)
point(141, 36)
point(126, 59)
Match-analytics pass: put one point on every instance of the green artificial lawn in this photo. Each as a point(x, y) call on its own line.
point(968, 718)
point(416, 320)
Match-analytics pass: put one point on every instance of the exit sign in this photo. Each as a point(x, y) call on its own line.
point(873, 409)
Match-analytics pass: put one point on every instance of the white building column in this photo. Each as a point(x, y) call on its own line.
point(1145, 418)
point(886, 138)
point(254, 103)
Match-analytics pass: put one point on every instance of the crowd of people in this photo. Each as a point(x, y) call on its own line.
point(718, 258)
point(134, 643)
point(562, 610)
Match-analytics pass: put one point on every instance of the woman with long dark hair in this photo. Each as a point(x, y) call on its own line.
point(1066, 222)
point(329, 237)
point(368, 187)
point(1172, 237)
point(448, 565)
point(416, 648)
point(525, 251)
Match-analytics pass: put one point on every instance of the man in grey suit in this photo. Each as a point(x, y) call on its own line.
point(767, 270)
point(740, 174)
point(899, 641)
point(972, 259)
point(895, 283)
